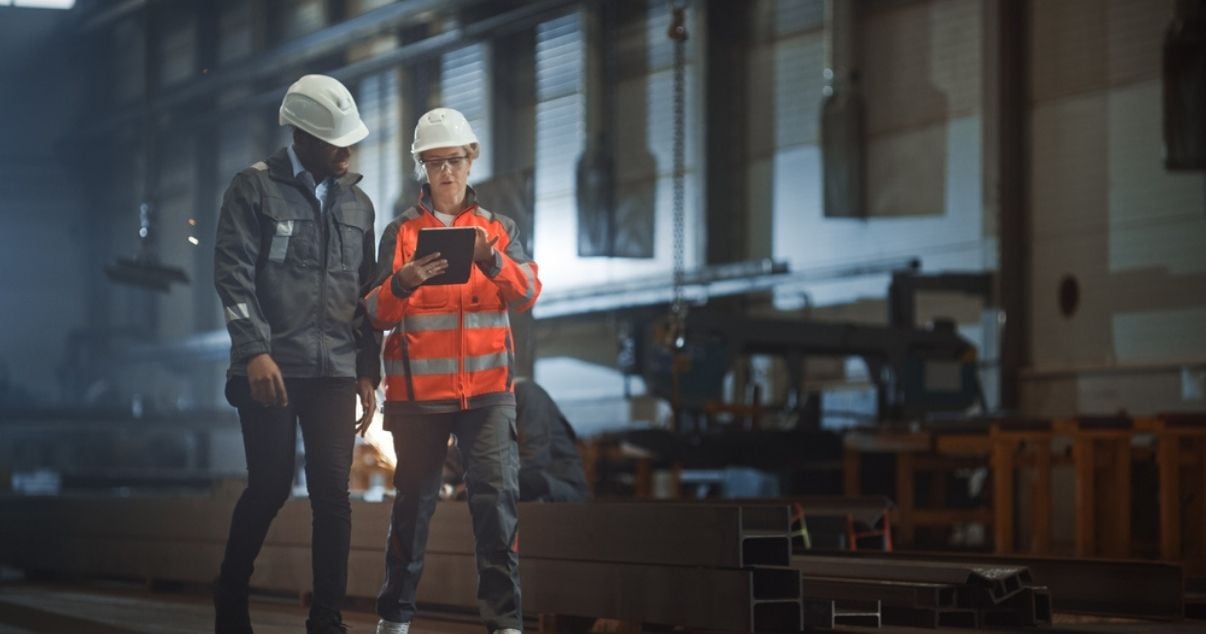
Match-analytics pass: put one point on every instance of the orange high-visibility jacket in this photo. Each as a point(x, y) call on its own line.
point(451, 347)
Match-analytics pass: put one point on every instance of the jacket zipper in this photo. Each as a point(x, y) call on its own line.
point(322, 281)
point(460, 362)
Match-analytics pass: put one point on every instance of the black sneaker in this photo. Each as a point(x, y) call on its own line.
point(231, 614)
point(326, 625)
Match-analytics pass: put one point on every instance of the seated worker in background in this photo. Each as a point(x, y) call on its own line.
point(550, 469)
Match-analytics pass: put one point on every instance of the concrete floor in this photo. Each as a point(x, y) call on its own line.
point(99, 608)
point(28, 608)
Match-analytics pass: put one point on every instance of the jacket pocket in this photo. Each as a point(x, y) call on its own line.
point(290, 233)
point(353, 221)
point(431, 297)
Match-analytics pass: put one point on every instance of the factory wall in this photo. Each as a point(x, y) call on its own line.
point(1100, 206)
point(1105, 212)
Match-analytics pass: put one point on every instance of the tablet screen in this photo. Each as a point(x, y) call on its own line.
point(454, 244)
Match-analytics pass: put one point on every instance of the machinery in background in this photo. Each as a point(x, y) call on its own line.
point(918, 373)
point(145, 270)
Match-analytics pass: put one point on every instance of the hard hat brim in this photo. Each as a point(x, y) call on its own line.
point(438, 145)
point(351, 138)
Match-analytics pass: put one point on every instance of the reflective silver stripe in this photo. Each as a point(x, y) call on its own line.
point(280, 244)
point(419, 323)
point(238, 311)
point(447, 365)
point(490, 319)
point(530, 291)
point(486, 361)
point(440, 365)
point(419, 367)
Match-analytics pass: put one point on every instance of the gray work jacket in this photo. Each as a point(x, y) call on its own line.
point(292, 275)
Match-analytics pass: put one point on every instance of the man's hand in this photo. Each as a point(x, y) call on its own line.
point(414, 273)
point(483, 246)
point(267, 384)
point(368, 402)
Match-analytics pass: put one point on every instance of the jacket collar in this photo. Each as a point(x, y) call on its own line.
point(280, 167)
point(425, 203)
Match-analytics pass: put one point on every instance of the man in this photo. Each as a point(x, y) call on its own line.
point(550, 468)
point(294, 255)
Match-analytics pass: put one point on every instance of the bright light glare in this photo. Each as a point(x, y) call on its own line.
point(43, 4)
point(194, 240)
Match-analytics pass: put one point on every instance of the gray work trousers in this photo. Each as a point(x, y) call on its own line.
point(487, 440)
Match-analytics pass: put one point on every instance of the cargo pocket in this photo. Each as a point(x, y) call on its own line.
point(353, 221)
point(292, 234)
point(430, 297)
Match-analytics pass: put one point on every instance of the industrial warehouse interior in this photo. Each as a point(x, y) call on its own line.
point(772, 315)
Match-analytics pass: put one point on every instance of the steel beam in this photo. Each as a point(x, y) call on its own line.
point(727, 536)
point(999, 581)
point(830, 614)
point(1123, 588)
point(931, 618)
point(888, 593)
point(716, 599)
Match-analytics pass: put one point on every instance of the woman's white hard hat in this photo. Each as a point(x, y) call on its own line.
point(441, 128)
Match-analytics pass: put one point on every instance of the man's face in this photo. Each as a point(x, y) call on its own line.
point(321, 158)
point(447, 171)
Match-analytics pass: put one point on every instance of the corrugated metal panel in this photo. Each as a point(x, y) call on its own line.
point(921, 64)
point(356, 7)
point(235, 39)
point(175, 202)
point(794, 16)
point(1136, 31)
point(299, 17)
point(238, 146)
point(178, 49)
point(465, 84)
point(659, 86)
point(560, 111)
point(127, 62)
point(379, 157)
point(799, 66)
point(1105, 211)
point(1069, 38)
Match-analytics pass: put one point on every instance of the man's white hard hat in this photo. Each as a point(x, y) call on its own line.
point(323, 107)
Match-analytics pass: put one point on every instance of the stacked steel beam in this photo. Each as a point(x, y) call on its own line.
point(723, 567)
point(1114, 588)
point(927, 593)
point(707, 567)
point(715, 567)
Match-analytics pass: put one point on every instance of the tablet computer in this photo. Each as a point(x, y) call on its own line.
point(454, 244)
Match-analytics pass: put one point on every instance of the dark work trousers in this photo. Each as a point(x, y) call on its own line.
point(487, 440)
point(326, 411)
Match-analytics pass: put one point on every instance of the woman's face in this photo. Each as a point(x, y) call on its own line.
point(447, 171)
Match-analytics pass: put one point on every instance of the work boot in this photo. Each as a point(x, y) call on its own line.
point(390, 627)
point(326, 625)
point(231, 614)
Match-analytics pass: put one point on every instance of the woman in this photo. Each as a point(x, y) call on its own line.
point(448, 366)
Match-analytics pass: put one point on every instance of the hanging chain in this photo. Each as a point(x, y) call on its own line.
point(678, 33)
